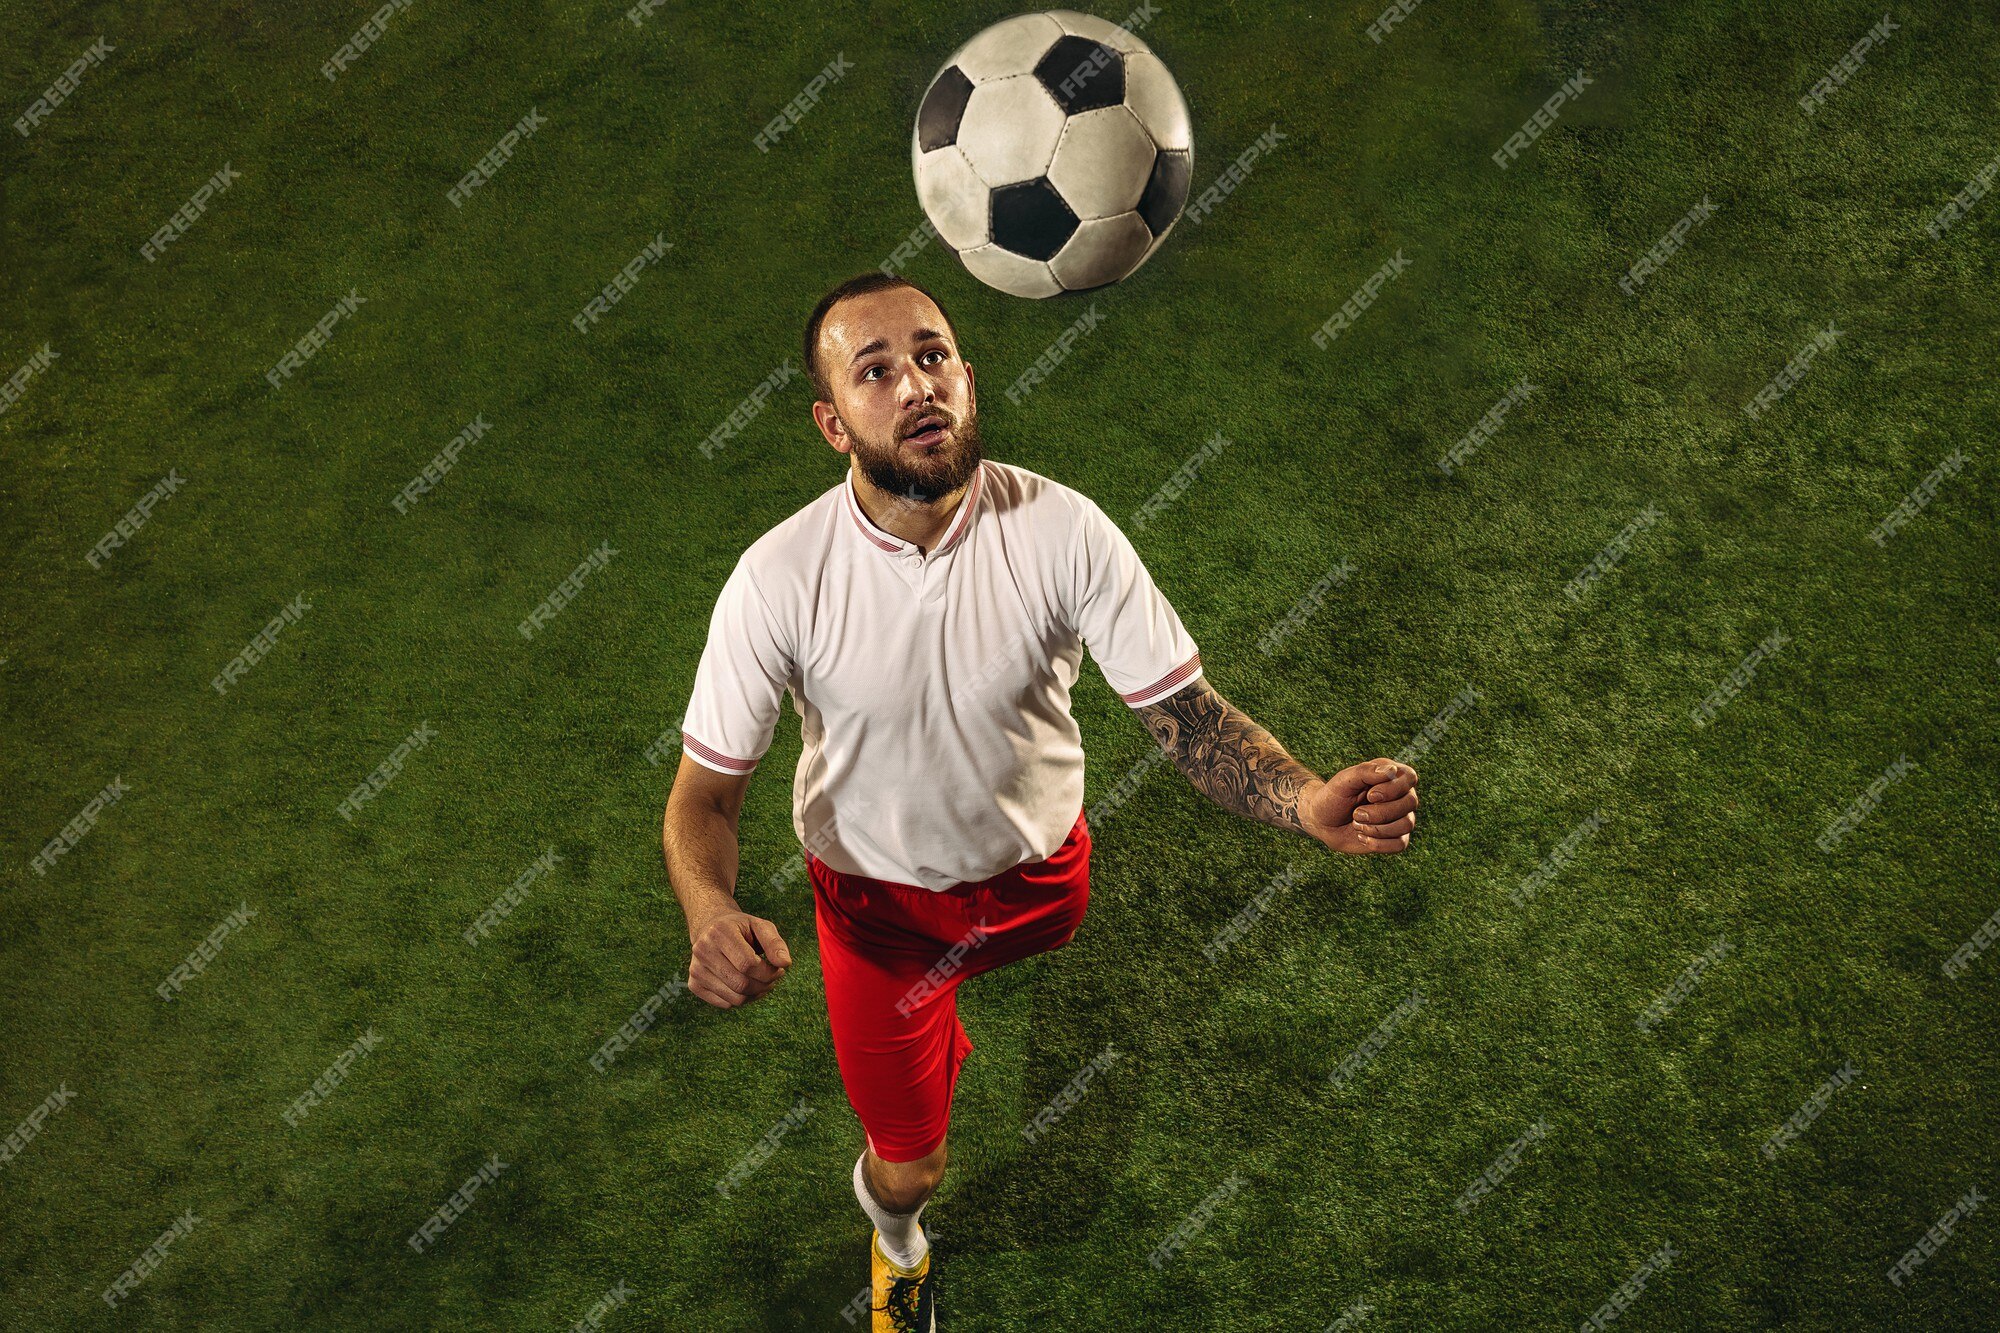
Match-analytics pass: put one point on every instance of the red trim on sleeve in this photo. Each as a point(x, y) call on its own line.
point(1172, 680)
point(715, 757)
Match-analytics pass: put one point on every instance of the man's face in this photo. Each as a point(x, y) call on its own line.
point(902, 399)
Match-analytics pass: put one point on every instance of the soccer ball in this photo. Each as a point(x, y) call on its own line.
point(1052, 152)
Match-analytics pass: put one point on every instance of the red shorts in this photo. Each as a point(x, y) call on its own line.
point(893, 955)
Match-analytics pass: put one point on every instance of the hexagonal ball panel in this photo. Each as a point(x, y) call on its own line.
point(1009, 47)
point(1103, 250)
point(957, 202)
point(1156, 100)
point(1098, 30)
point(1103, 162)
point(1010, 130)
point(1009, 272)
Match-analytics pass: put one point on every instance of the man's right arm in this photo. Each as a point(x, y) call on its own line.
point(735, 957)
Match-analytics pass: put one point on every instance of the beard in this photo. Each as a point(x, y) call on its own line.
point(922, 478)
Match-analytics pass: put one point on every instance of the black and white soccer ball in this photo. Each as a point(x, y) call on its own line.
point(1053, 153)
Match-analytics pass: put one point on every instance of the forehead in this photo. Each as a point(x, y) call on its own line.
point(894, 314)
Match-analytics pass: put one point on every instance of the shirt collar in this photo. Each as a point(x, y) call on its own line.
point(890, 543)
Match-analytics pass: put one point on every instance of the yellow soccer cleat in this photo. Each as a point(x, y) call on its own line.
point(900, 1297)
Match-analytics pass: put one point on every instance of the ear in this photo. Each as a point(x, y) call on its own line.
point(831, 426)
point(971, 392)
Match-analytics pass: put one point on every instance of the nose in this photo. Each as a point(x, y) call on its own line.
point(916, 390)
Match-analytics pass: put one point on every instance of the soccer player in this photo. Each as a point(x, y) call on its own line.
point(928, 615)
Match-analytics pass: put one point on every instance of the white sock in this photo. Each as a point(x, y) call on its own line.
point(903, 1240)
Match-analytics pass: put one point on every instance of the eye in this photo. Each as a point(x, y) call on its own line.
point(870, 373)
point(937, 352)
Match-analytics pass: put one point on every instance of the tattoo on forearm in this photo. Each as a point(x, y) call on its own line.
point(1229, 758)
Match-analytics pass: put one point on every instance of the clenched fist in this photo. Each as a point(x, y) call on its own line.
point(1368, 808)
point(737, 958)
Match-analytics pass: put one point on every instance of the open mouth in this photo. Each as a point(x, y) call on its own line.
point(929, 430)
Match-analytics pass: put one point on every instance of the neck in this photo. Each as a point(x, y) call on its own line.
point(918, 524)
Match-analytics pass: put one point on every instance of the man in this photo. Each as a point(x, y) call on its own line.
point(928, 616)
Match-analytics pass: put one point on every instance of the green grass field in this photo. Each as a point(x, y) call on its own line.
point(1343, 1193)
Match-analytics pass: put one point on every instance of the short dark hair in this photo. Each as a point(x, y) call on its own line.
point(859, 285)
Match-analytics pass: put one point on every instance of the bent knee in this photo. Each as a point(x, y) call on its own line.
point(902, 1187)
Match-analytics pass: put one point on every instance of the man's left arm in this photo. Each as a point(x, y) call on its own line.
point(1366, 808)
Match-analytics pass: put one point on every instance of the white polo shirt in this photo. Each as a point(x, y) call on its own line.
point(933, 689)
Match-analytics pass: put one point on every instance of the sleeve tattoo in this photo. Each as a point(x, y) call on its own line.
point(1229, 758)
